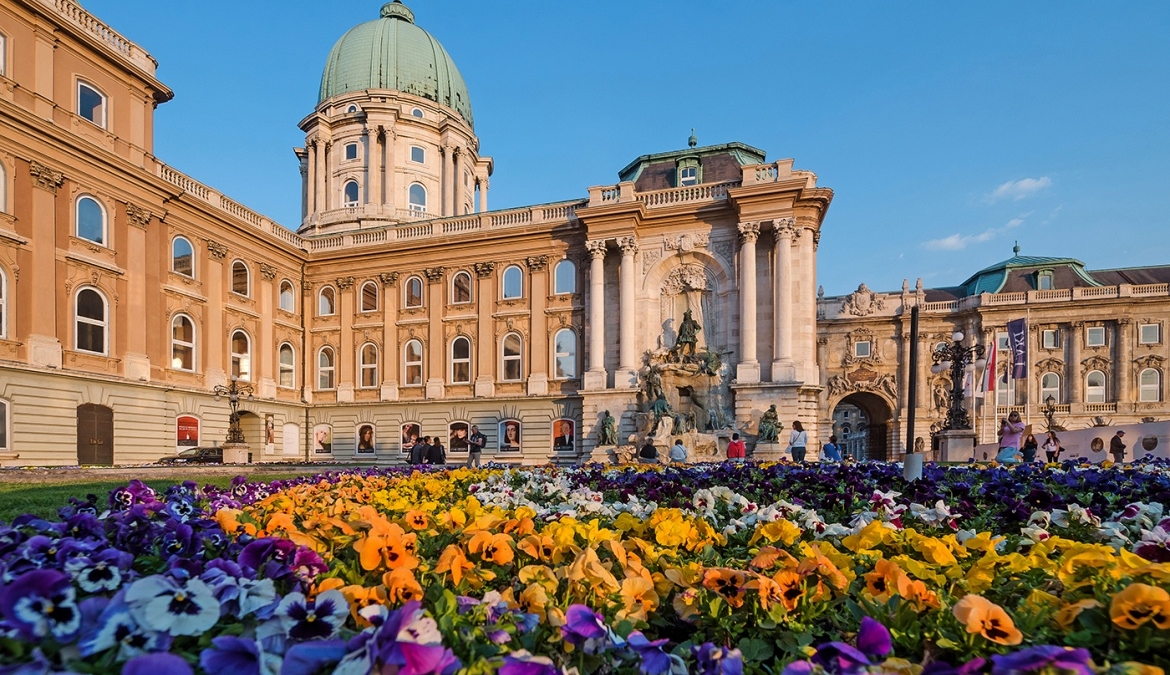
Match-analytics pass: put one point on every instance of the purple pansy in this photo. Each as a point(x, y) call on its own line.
point(655, 660)
point(176, 608)
point(1043, 657)
point(41, 604)
point(153, 664)
point(316, 619)
point(230, 655)
point(585, 628)
point(714, 660)
point(520, 662)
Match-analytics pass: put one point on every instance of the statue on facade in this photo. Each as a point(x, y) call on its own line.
point(710, 362)
point(688, 337)
point(712, 420)
point(769, 426)
point(608, 435)
point(680, 423)
point(660, 408)
point(653, 383)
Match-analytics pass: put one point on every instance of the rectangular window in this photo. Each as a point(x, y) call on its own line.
point(688, 176)
point(91, 104)
point(861, 350)
point(3, 64)
point(351, 151)
point(417, 154)
point(1044, 281)
point(1001, 342)
point(1095, 336)
point(1149, 334)
point(1049, 337)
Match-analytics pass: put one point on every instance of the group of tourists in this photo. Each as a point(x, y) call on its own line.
point(429, 450)
point(1016, 446)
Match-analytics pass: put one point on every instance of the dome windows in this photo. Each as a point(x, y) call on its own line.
point(351, 151)
point(418, 155)
point(417, 112)
point(351, 193)
point(417, 198)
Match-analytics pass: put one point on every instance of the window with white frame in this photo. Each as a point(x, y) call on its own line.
point(3, 303)
point(287, 365)
point(1049, 339)
point(325, 368)
point(1050, 386)
point(1149, 386)
point(688, 175)
point(418, 155)
point(1149, 333)
point(183, 257)
point(511, 367)
point(351, 195)
point(91, 104)
point(862, 349)
point(461, 288)
point(1095, 387)
point(565, 354)
point(413, 292)
point(1095, 336)
point(351, 109)
point(412, 361)
point(326, 301)
point(241, 279)
point(513, 283)
point(417, 112)
point(1005, 390)
point(91, 220)
point(1044, 280)
point(182, 343)
point(3, 55)
point(351, 150)
point(417, 198)
point(5, 425)
point(460, 360)
point(1001, 342)
point(241, 356)
point(288, 298)
point(91, 325)
point(565, 278)
point(369, 297)
point(368, 366)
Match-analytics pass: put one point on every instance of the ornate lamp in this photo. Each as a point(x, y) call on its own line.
point(233, 391)
point(957, 359)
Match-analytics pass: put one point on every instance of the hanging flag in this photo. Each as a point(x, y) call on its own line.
point(968, 384)
point(988, 382)
point(1018, 343)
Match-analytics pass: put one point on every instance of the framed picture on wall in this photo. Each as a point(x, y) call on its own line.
point(411, 434)
point(323, 439)
point(186, 431)
point(457, 437)
point(564, 431)
point(365, 439)
point(510, 436)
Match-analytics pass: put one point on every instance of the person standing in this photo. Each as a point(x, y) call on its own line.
point(678, 452)
point(475, 444)
point(1052, 447)
point(1029, 448)
point(1010, 431)
point(436, 454)
point(736, 449)
point(418, 451)
point(798, 442)
point(832, 450)
point(1117, 447)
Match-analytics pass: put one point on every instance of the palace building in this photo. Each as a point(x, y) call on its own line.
point(400, 305)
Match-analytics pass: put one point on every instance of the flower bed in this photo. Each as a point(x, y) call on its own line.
point(707, 569)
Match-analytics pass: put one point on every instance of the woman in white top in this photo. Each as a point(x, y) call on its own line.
point(797, 441)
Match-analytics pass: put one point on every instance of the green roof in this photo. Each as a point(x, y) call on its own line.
point(393, 53)
point(991, 279)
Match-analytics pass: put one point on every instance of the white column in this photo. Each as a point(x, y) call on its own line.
point(483, 188)
point(314, 177)
point(748, 369)
point(368, 188)
point(445, 183)
point(627, 373)
point(455, 200)
point(782, 366)
point(388, 195)
point(595, 376)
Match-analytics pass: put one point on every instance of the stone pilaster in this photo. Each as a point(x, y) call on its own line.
point(1123, 338)
point(748, 369)
point(485, 381)
point(1076, 337)
point(595, 375)
point(783, 368)
point(538, 343)
point(391, 355)
point(626, 376)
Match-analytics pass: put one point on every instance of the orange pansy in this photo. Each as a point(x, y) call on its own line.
point(495, 549)
point(1141, 603)
point(401, 586)
point(726, 582)
point(983, 617)
point(455, 562)
point(639, 598)
point(417, 520)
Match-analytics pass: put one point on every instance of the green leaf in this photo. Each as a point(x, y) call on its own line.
point(755, 650)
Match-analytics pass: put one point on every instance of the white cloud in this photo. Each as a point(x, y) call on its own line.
point(958, 242)
point(1019, 189)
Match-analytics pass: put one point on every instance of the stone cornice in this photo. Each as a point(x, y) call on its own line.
point(44, 177)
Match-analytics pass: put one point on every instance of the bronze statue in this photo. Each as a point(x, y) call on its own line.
point(769, 426)
point(660, 408)
point(608, 435)
point(688, 338)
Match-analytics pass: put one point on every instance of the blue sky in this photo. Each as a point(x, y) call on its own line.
point(947, 130)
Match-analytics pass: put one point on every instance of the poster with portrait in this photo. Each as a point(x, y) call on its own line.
point(564, 430)
point(457, 437)
point(323, 439)
point(186, 432)
point(365, 439)
point(510, 436)
point(411, 434)
point(269, 434)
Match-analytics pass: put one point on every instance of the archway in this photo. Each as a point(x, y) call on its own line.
point(861, 422)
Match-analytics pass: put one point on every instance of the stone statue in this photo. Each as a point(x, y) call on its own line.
point(688, 337)
point(660, 408)
point(608, 434)
point(712, 420)
point(680, 423)
point(653, 380)
point(710, 362)
point(941, 396)
point(769, 426)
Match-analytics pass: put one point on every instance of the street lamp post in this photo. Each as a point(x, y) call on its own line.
point(957, 359)
point(233, 391)
point(1049, 411)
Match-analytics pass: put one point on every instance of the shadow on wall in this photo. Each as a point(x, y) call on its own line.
point(1151, 438)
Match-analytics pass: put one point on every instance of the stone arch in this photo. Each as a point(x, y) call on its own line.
point(878, 409)
point(718, 315)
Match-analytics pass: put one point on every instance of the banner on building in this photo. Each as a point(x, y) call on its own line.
point(987, 384)
point(1018, 344)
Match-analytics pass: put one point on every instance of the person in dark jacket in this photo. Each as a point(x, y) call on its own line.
point(648, 454)
point(436, 454)
point(1117, 447)
point(418, 451)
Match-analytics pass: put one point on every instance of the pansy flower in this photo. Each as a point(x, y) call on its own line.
point(1139, 604)
point(116, 628)
point(231, 655)
point(316, 619)
point(41, 604)
point(177, 608)
point(585, 628)
point(983, 617)
point(1045, 658)
point(654, 659)
point(715, 660)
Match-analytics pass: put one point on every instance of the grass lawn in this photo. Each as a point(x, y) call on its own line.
point(43, 499)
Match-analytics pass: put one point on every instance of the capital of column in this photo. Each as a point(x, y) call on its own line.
point(388, 278)
point(434, 274)
point(749, 232)
point(536, 263)
point(44, 177)
point(484, 269)
point(628, 245)
point(596, 248)
point(783, 228)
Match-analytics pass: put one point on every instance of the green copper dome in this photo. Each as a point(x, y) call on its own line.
point(393, 53)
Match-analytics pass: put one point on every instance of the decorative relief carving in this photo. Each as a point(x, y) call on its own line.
point(749, 232)
point(685, 278)
point(817, 245)
point(596, 248)
point(138, 216)
point(44, 177)
point(306, 285)
point(1123, 321)
point(345, 283)
point(783, 227)
point(863, 379)
point(388, 278)
point(1050, 365)
point(687, 242)
point(1149, 361)
point(536, 263)
point(862, 302)
point(725, 250)
point(860, 335)
point(1094, 363)
point(628, 245)
point(268, 271)
point(216, 249)
point(434, 274)
point(484, 270)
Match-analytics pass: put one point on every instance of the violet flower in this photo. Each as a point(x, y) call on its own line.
point(520, 662)
point(316, 619)
point(655, 660)
point(41, 604)
point(188, 608)
point(230, 655)
point(585, 628)
point(153, 664)
point(1043, 657)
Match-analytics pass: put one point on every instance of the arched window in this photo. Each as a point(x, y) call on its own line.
point(417, 112)
point(461, 288)
point(417, 198)
point(3, 304)
point(326, 301)
point(460, 360)
point(513, 283)
point(412, 360)
point(351, 193)
point(368, 366)
point(413, 290)
point(91, 324)
point(287, 366)
point(351, 109)
point(91, 104)
point(241, 356)
point(565, 354)
point(183, 257)
point(1149, 386)
point(369, 297)
point(91, 220)
point(241, 279)
point(512, 363)
point(1095, 387)
point(182, 343)
point(351, 149)
point(288, 299)
point(565, 277)
point(325, 368)
point(1050, 386)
